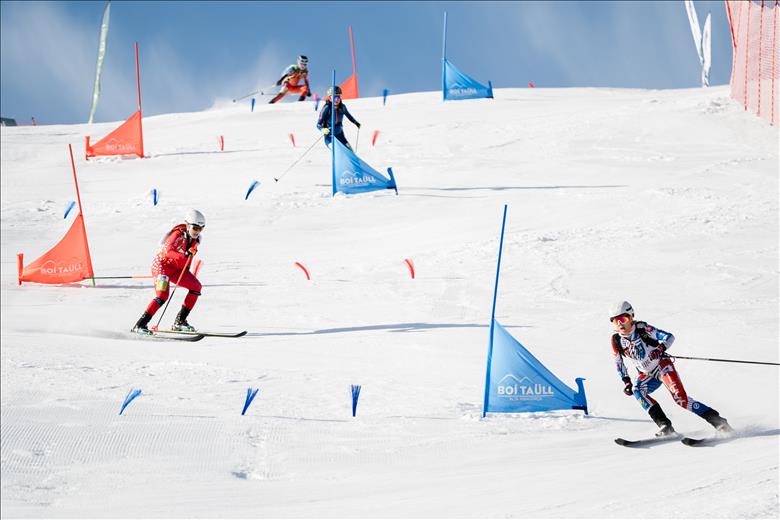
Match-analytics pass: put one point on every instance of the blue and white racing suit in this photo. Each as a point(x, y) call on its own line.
point(645, 348)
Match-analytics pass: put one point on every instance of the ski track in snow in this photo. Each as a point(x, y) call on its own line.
point(666, 198)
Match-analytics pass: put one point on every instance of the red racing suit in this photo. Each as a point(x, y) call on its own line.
point(176, 250)
point(292, 76)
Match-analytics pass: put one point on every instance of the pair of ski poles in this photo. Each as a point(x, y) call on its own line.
point(178, 281)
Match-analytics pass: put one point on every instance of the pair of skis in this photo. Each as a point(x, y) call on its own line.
point(180, 335)
point(639, 443)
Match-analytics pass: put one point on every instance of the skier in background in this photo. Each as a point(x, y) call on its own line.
point(323, 123)
point(645, 346)
point(291, 76)
point(172, 261)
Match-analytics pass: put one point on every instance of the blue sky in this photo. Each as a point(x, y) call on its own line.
point(194, 54)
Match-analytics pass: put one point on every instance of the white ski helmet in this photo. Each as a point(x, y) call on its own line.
point(303, 61)
point(195, 217)
point(622, 307)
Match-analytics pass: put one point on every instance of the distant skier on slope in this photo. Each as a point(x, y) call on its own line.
point(645, 346)
point(323, 122)
point(291, 76)
point(172, 261)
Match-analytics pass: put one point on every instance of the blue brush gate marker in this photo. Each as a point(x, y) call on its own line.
point(252, 187)
point(250, 395)
point(253, 105)
point(384, 97)
point(70, 207)
point(355, 395)
point(132, 394)
point(155, 196)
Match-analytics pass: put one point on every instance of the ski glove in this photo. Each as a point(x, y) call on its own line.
point(308, 93)
point(325, 131)
point(628, 389)
point(279, 82)
point(191, 251)
point(357, 125)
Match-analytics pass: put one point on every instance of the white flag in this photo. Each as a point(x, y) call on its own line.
point(694, 21)
point(101, 54)
point(706, 48)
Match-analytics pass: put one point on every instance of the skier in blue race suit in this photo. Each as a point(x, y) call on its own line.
point(323, 123)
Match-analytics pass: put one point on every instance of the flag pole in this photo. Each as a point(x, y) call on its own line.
point(443, 56)
point(352, 46)
point(138, 83)
point(75, 179)
point(137, 76)
point(493, 317)
point(81, 213)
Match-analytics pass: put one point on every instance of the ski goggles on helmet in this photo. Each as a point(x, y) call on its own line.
point(196, 227)
point(337, 97)
point(622, 319)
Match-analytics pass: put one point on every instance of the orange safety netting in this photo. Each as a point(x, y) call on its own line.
point(755, 73)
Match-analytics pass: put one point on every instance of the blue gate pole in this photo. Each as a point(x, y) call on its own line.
point(444, 58)
point(493, 318)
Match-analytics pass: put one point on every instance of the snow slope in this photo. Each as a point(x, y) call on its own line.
point(666, 198)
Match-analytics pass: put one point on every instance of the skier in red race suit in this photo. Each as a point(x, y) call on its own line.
point(172, 262)
point(291, 76)
point(645, 347)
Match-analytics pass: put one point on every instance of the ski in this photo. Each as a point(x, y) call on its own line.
point(170, 335)
point(206, 333)
point(638, 443)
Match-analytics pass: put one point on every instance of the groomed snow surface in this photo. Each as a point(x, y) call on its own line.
point(666, 198)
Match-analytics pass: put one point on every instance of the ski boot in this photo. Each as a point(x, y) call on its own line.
point(180, 323)
point(141, 327)
point(717, 422)
point(665, 431)
point(659, 417)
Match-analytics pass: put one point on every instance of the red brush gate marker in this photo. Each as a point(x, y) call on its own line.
point(305, 271)
point(410, 265)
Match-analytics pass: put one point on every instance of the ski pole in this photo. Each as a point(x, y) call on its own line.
point(172, 292)
point(122, 277)
point(298, 159)
point(258, 91)
point(357, 139)
point(262, 91)
point(244, 97)
point(727, 360)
